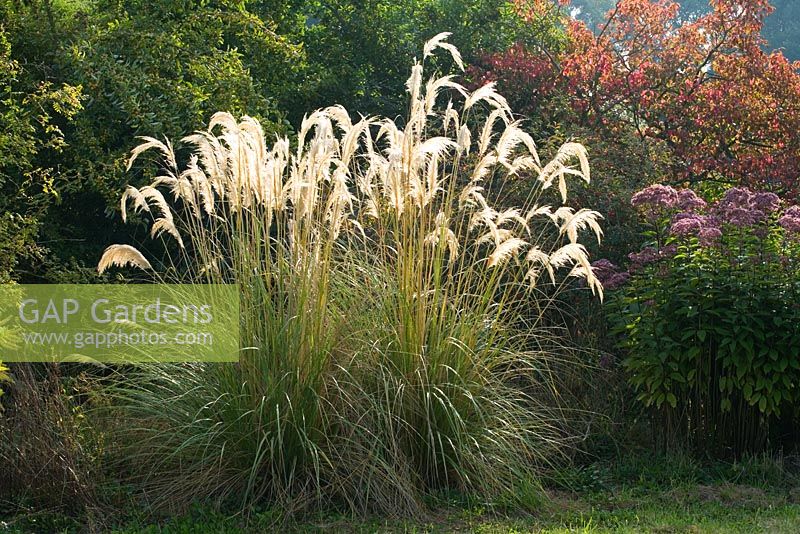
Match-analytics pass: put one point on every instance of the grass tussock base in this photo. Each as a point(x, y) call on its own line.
point(48, 453)
point(378, 289)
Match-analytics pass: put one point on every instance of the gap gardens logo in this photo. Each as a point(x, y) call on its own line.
point(119, 323)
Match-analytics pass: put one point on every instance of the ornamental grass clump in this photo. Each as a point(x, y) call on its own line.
point(709, 316)
point(377, 285)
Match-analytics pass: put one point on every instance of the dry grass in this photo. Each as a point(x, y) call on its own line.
point(44, 460)
point(377, 284)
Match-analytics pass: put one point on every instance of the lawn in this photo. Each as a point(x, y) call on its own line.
point(668, 495)
point(691, 508)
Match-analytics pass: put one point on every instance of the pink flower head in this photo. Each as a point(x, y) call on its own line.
point(609, 274)
point(737, 197)
point(686, 224)
point(792, 211)
point(654, 200)
point(668, 251)
point(651, 255)
point(617, 281)
point(737, 207)
point(765, 202)
point(709, 236)
point(790, 220)
point(603, 266)
point(743, 216)
point(640, 259)
point(689, 201)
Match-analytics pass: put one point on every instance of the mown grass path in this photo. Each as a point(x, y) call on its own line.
point(691, 508)
point(635, 494)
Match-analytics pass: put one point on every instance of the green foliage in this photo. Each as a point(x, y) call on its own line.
point(118, 70)
point(31, 113)
point(711, 331)
point(358, 51)
point(161, 69)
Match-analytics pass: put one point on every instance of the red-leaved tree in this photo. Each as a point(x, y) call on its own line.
point(701, 95)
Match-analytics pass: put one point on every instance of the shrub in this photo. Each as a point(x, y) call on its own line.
point(47, 457)
point(709, 314)
point(32, 114)
point(377, 288)
point(78, 82)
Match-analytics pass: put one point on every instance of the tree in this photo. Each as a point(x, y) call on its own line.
point(143, 68)
point(781, 29)
point(700, 92)
point(31, 118)
point(359, 50)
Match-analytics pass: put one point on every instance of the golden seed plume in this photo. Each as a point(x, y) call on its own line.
point(122, 256)
point(358, 179)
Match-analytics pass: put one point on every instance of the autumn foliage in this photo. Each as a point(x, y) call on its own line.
point(701, 94)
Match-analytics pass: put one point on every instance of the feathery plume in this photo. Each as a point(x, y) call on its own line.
point(439, 41)
point(505, 250)
point(151, 142)
point(139, 202)
point(122, 256)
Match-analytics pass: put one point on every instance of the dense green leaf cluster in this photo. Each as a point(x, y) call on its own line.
point(80, 81)
point(712, 334)
point(31, 138)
